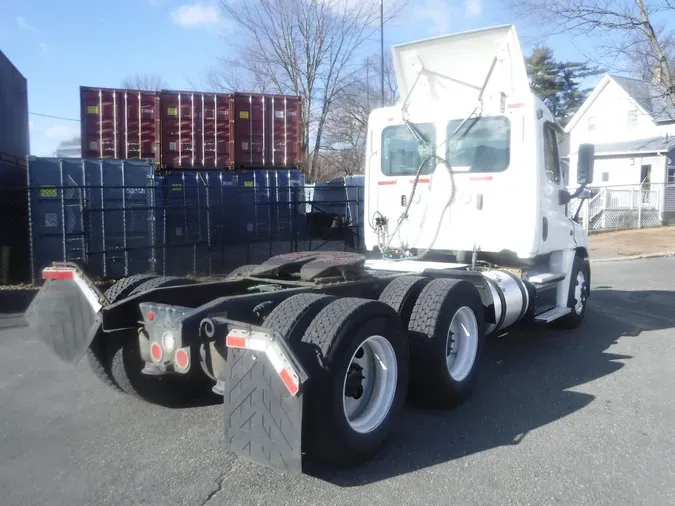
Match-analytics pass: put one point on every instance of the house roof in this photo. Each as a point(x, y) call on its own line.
point(647, 97)
point(637, 146)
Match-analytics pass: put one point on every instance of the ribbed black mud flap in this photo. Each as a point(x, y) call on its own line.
point(263, 421)
point(62, 317)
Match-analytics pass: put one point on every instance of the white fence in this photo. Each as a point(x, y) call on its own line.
point(625, 207)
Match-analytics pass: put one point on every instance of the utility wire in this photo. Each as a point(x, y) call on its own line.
point(55, 117)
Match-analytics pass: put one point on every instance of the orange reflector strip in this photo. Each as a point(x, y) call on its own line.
point(384, 183)
point(288, 381)
point(235, 342)
point(516, 106)
point(57, 274)
point(481, 178)
point(421, 180)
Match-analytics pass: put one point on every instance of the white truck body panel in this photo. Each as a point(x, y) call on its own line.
point(488, 190)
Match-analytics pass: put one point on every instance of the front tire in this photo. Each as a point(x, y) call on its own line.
point(356, 353)
point(577, 298)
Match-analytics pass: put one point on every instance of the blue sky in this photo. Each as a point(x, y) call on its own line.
point(59, 46)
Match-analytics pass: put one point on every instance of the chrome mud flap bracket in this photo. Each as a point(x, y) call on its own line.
point(264, 400)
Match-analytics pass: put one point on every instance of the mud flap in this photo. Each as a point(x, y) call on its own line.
point(64, 317)
point(263, 421)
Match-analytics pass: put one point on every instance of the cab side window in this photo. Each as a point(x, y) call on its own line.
point(551, 160)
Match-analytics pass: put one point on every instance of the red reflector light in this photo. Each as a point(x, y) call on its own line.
point(150, 315)
point(288, 381)
point(57, 274)
point(235, 342)
point(156, 352)
point(182, 359)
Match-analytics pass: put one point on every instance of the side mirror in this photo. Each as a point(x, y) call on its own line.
point(585, 164)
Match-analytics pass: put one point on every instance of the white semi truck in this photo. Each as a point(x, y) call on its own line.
point(314, 353)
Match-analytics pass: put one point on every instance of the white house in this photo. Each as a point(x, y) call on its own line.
point(632, 125)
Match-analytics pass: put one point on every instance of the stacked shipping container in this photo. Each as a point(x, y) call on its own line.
point(192, 130)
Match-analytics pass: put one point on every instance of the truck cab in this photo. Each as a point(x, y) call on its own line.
point(469, 160)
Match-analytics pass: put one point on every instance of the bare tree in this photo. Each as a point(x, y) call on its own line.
point(145, 82)
point(344, 142)
point(308, 48)
point(632, 33)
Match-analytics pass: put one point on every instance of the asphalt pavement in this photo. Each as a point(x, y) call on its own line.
point(575, 418)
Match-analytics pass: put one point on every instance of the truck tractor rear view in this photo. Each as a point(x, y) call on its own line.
point(314, 353)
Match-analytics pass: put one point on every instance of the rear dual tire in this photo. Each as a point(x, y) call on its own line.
point(446, 327)
point(116, 360)
point(356, 354)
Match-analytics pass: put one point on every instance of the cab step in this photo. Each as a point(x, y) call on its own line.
point(552, 314)
point(545, 278)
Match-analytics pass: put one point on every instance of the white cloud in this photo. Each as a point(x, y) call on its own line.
point(473, 8)
point(62, 132)
point(25, 25)
point(194, 15)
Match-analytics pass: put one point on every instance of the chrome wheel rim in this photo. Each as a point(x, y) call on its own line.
point(580, 293)
point(462, 343)
point(369, 385)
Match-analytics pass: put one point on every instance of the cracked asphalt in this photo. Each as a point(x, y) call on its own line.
point(584, 417)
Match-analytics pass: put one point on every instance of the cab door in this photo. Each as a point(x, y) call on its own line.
point(555, 226)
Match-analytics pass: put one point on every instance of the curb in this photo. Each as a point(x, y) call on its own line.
point(634, 257)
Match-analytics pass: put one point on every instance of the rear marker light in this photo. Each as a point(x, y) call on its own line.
point(156, 352)
point(182, 359)
point(257, 341)
point(150, 315)
point(52, 274)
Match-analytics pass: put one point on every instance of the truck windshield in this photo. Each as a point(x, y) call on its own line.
point(402, 154)
point(481, 145)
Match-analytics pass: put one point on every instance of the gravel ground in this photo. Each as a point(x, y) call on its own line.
point(575, 418)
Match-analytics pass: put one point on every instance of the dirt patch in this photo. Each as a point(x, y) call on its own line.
point(632, 242)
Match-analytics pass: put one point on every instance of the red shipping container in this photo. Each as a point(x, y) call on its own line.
point(181, 120)
point(98, 122)
point(185, 130)
point(140, 124)
point(197, 130)
point(119, 123)
point(268, 130)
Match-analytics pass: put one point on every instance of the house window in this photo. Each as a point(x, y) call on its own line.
point(671, 174)
point(632, 120)
point(591, 123)
point(605, 177)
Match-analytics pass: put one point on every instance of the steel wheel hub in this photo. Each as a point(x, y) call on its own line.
point(369, 385)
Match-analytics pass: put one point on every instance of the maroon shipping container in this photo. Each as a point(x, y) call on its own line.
point(268, 131)
point(196, 130)
point(184, 130)
point(119, 123)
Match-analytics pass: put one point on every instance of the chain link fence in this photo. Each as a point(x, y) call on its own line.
point(625, 207)
point(181, 226)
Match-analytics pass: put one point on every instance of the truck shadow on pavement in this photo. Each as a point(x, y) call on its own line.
point(525, 384)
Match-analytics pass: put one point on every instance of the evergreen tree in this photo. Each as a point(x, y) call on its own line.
point(558, 83)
